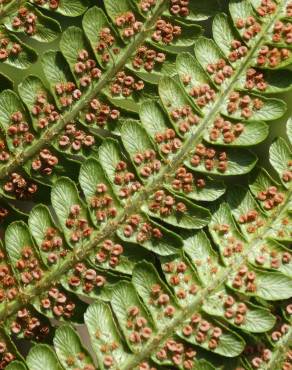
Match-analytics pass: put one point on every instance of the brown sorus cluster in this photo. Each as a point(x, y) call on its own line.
point(168, 141)
point(147, 163)
point(244, 103)
point(19, 187)
point(272, 56)
point(3, 214)
point(161, 300)
point(77, 224)
point(18, 130)
point(137, 326)
point(280, 329)
point(202, 94)
point(252, 219)
point(180, 7)
point(147, 58)
point(231, 244)
point(165, 32)
point(53, 245)
point(146, 366)
point(210, 157)
point(80, 356)
point(28, 266)
point(184, 118)
point(44, 111)
point(102, 203)
point(271, 197)
point(106, 350)
point(287, 175)
point(164, 204)
point(180, 274)
point(289, 9)
point(267, 7)
point(142, 230)
point(125, 180)
point(203, 331)
point(225, 129)
point(100, 113)
point(45, 162)
point(245, 280)
point(146, 5)
point(86, 69)
point(238, 51)
point(249, 26)
point(272, 258)
point(25, 21)
point(67, 93)
point(255, 79)
point(178, 354)
point(128, 23)
point(287, 364)
point(263, 357)
point(282, 32)
point(5, 355)
point(4, 154)
point(234, 311)
point(8, 48)
point(8, 289)
point(86, 278)
point(53, 4)
point(58, 303)
point(125, 85)
point(110, 253)
point(30, 325)
point(75, 139)
point(288, 309)
point(186, 182)
point(219, 71)
point(105, 44)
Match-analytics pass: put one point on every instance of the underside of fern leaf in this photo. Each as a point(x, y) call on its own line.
point(139, 228)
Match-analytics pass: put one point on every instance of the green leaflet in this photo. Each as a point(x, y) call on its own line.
point(239, 162)
point(31, 90)
point(229, 344)
point(226, 236)
point(165, 245)
point(103, 203)
point(57, 71)
point(42, 356)
point(95, 19)
point(65, 196)
point(256, 319)
point(104, 332)
point(24, 58)
point(68, 347)
point(10, 103)
point(17, 240)
point(270, 286)
point(40, 225)
point(69, 8)
point(191, 217)
point(199, 250)
point(281, 160)
point(16, 365)
point(150, 286)
point(127, 306)
point(46, 29)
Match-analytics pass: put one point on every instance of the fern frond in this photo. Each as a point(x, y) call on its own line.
point(144, 190)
